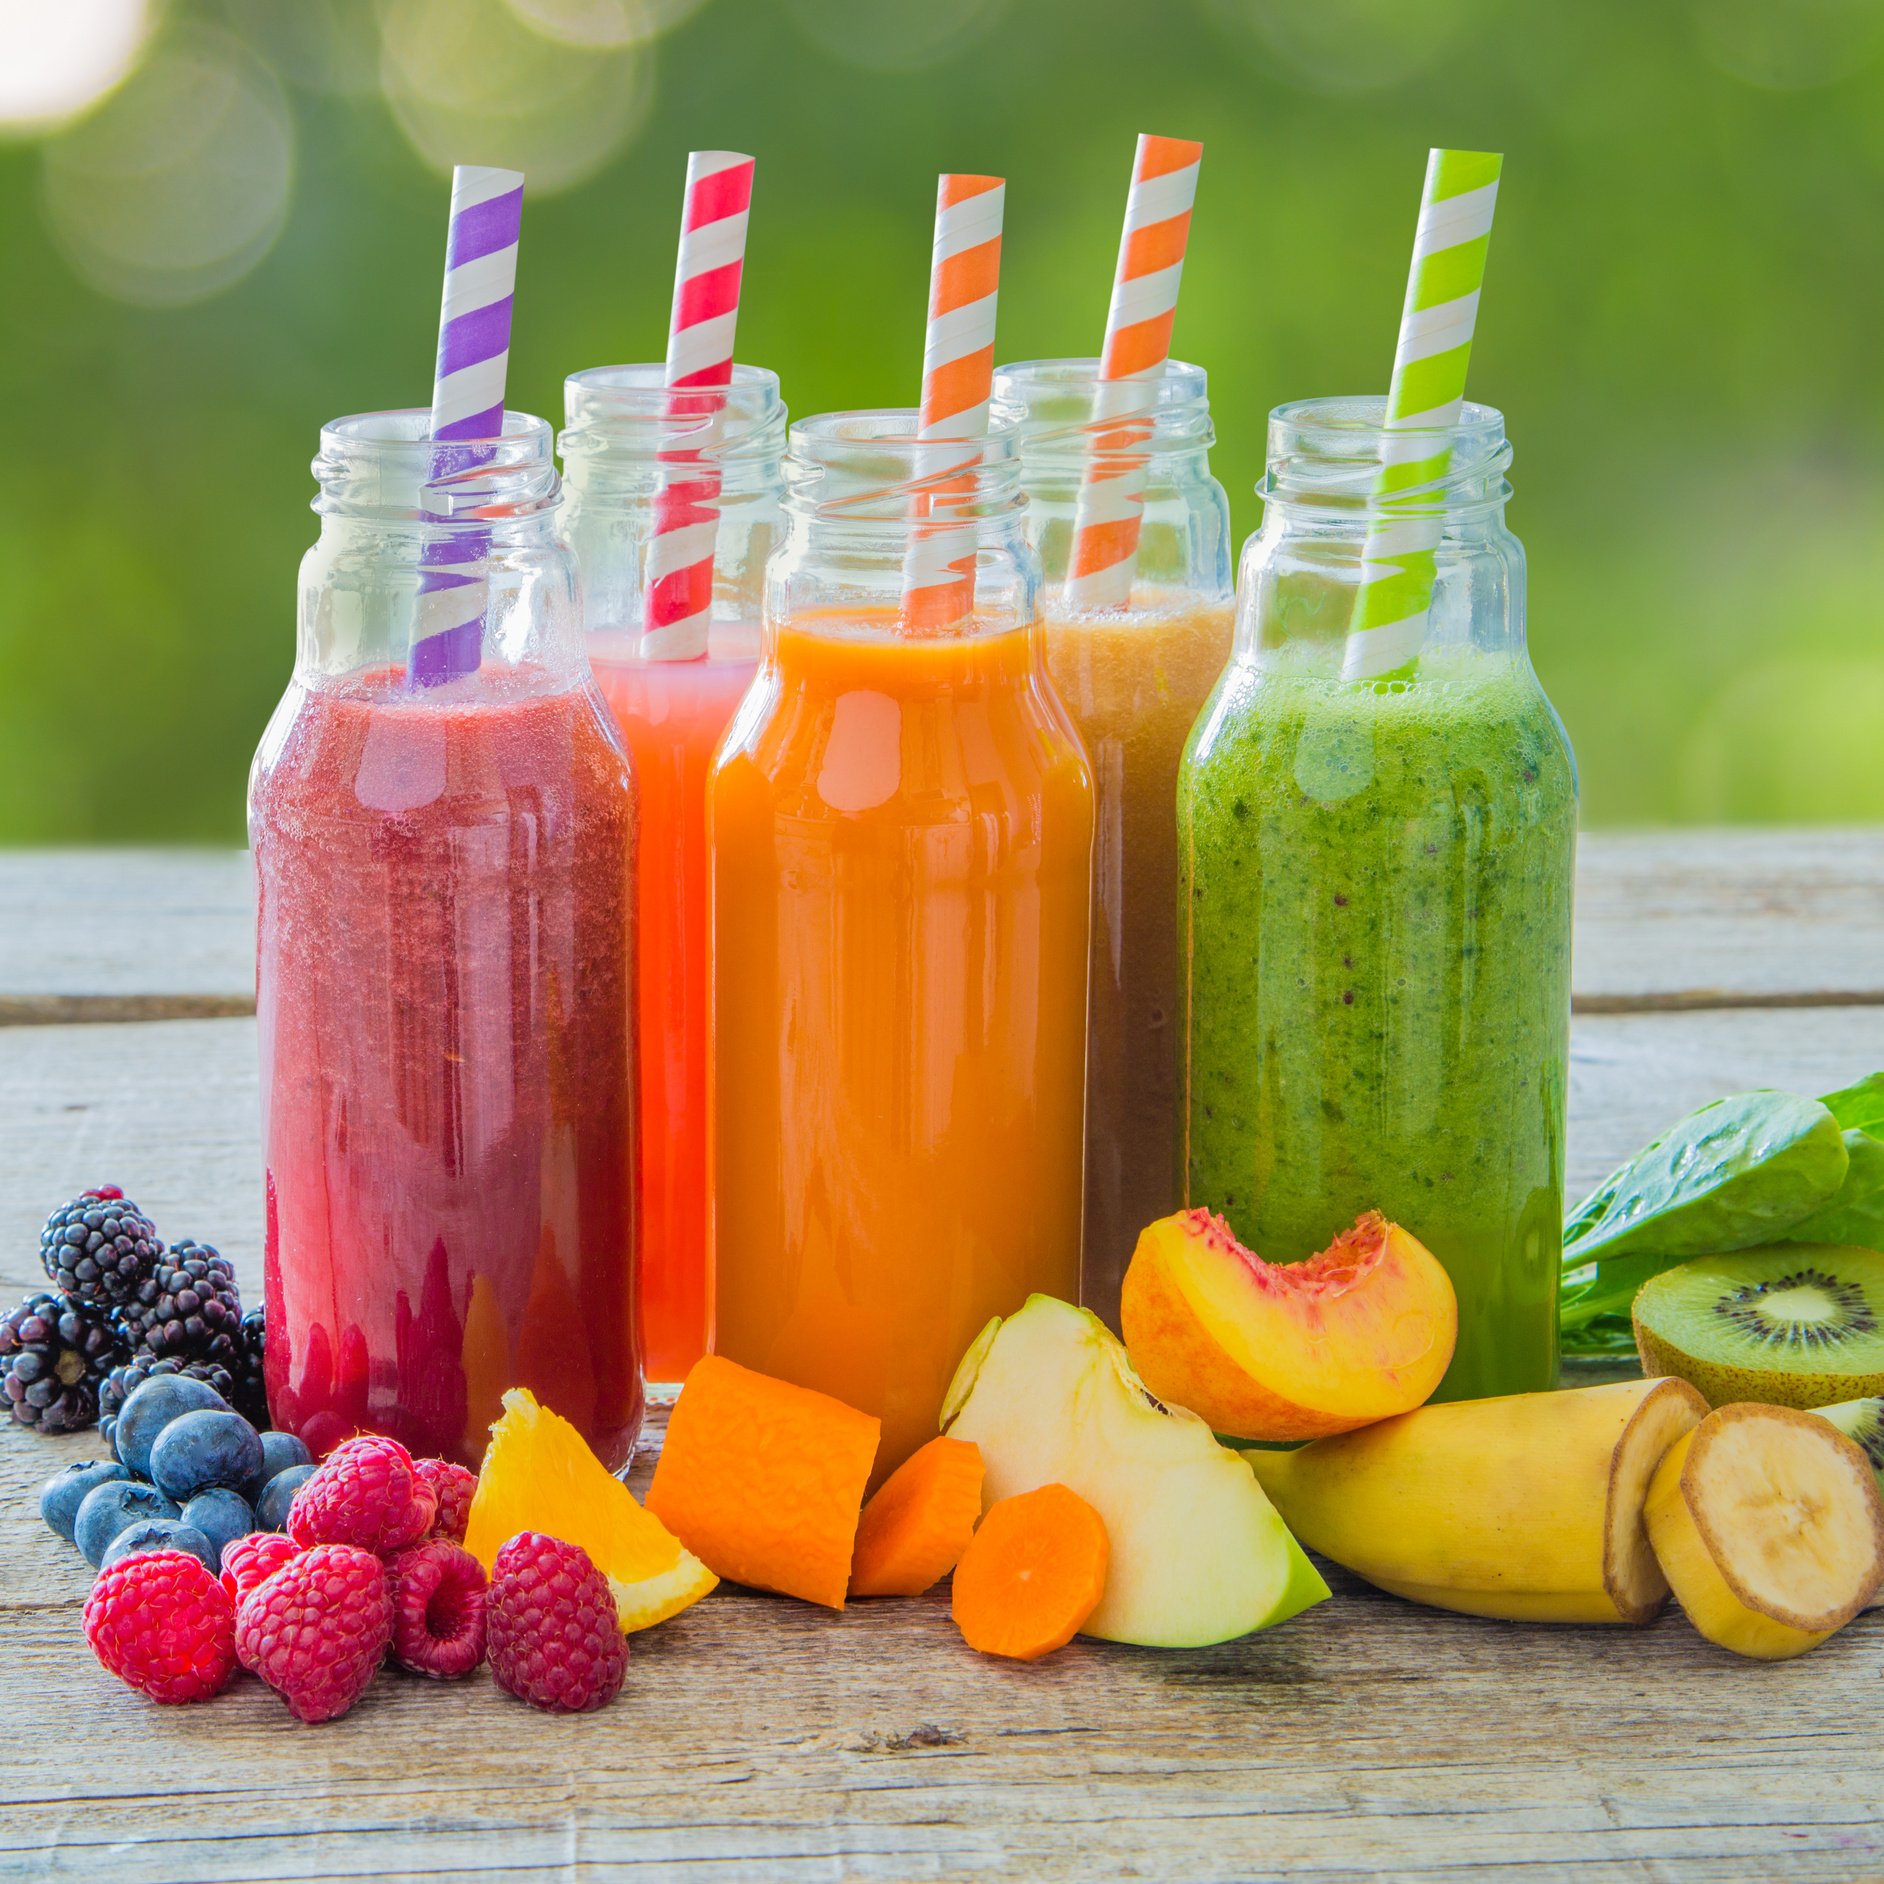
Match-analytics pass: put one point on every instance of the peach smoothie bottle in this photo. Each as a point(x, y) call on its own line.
point(1134, 678)
point(672, 713)
point(901, 825)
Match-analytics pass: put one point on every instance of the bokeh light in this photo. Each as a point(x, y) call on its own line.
point(58, 56)
point(1794, 47)
point(329, 46)
point(178, 185)
point(603, 25)
point(1343, 47)
point(895, 35)
point(469, 82)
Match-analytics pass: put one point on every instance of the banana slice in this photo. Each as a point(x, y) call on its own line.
point(1769, 1526)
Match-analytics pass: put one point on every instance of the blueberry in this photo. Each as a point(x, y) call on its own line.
point(278, 1494)
point(150, 1408)
point(109, 1509)
point(220, 1515)
point(279, 1451)
point(205, 1448)
point(138, 1540)
point(65, 1490)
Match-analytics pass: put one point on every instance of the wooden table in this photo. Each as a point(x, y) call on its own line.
point(759, 1738)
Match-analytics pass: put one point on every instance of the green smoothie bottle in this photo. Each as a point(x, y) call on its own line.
point(1374, 898)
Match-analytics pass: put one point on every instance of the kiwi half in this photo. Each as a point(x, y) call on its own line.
point(1792, 1324)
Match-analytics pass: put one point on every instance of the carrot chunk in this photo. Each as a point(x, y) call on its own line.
point(1034, 1571)
point(764, 1481)
point(919, 1521)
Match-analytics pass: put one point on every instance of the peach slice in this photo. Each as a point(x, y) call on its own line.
point(1287, 1350)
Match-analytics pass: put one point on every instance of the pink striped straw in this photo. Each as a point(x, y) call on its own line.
point(679, 607)
point(1138, 343)
point(467, 404)
point(957, 381)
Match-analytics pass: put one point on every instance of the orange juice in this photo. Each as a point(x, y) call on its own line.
point(902, 840)
point(1134, 682)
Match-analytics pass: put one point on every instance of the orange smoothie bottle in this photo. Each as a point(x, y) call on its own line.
point(1134, 680)
point(901, 846)
point(672, 714)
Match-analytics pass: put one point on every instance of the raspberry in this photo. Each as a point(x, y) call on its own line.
point(555, 1638)
point(438, 1610)
point(365, 1492)
point(454, 1488)
point(163, 1624)
point(248, 1562)
point(317, 1629)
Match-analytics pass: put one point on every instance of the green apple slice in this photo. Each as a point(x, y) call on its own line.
point(1198, 1552)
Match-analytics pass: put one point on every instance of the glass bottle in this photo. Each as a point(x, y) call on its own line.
point(672, 706)
point(444, 974)
point(1134, 679)
point(902, 838)
point(1375, 897)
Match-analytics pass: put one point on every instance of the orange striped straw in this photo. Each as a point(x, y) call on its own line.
point(957, 381)
point(1138, 343)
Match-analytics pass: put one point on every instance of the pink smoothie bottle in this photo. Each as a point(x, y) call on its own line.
point(445, 988)
point(672, 711)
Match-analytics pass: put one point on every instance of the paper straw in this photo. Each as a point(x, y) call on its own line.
point(957, 382)
point(679, 607)
point(1138, 343)
point(1428, 389)
point(467, 403)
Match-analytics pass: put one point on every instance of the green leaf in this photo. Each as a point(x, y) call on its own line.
point(1859, 1108)
point(1602, 1335)
point(1856, 1213)
point(1736, 1173)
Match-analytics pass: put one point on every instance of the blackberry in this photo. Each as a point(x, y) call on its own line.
point(100, 1247)
point(54, 1351)
point(251, 1387)
point(124, 1381)
point(188, 1308)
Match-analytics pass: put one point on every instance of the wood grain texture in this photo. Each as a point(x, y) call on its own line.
point(760, 1739)
point(1664, 919)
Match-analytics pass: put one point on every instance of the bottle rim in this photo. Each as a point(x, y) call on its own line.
point(1330, 452)
point(868, 465)
point(387, 465)
point(632, 410)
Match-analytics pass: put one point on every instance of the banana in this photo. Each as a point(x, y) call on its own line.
point(1527, 1507)
point(1769, 1525)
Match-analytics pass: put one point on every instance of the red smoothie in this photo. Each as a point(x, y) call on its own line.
point(446, 1002)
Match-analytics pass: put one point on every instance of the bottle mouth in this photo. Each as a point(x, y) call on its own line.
point(631, 410)
point(1330, 453)
point(870, 466)
point(1061, 407)
point(385, 465)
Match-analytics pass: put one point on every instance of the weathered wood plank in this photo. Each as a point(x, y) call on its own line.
point(1663, 919)
point(761, 1739)
point(1704, 917)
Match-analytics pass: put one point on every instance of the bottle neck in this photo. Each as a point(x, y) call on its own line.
point(1084, 440)
point(1383, 552)
point(902, 537)
point(420, 538)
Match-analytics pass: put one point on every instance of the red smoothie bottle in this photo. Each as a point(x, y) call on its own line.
point(673, 705)
point(445, 985)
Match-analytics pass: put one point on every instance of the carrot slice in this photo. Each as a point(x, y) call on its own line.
point(919, 1521)
point(1033, 1573)
point(764, 1481)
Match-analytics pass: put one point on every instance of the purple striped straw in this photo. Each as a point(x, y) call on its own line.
point(467, 404)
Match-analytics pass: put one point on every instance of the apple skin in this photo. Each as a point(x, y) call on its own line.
point(1199, 1555)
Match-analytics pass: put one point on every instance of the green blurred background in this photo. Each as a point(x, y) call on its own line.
point(221, 222)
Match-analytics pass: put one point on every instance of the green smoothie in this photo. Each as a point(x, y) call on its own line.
point(1375, 891)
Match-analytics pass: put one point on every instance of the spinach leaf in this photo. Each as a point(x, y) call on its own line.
point(1736, 1173)
point(1859, 1108)
point(1856, 1213)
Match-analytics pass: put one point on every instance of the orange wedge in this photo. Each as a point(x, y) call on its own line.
point(539, 1475)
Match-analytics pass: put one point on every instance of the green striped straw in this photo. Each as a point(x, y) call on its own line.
point(1397, 560)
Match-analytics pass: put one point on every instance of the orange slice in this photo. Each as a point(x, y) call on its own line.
point(539, 1475)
